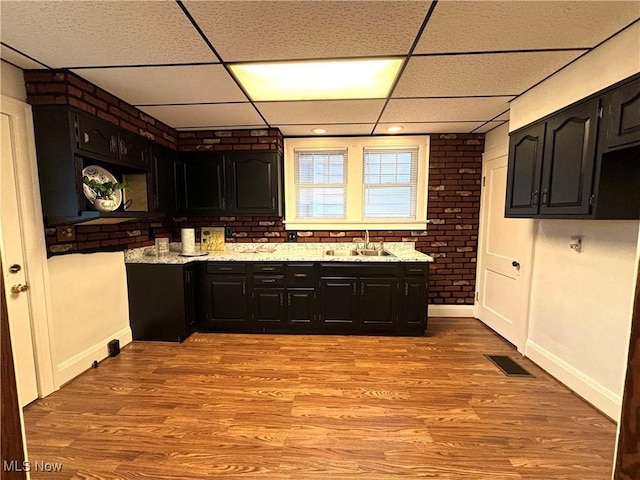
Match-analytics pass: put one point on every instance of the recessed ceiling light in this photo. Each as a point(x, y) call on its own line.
point(331, 79)
point(319, 130)
point(395, 129)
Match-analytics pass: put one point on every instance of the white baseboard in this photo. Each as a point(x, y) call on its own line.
point(450, 310)
point(598, 395)
point(74, 366)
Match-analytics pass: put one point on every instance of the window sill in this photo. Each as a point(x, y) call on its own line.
point(347, 225)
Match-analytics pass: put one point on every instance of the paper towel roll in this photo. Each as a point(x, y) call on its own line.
point(188, 237)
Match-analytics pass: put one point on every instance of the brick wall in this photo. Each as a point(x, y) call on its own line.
point(454, 191)
point(61, 87)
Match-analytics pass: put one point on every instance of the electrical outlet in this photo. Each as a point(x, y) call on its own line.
point(292, 236)
point(228, 232)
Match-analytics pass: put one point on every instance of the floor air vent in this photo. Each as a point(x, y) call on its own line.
point(508, 366)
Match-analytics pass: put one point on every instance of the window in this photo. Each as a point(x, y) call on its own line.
point(321, 184)
point(360, 182)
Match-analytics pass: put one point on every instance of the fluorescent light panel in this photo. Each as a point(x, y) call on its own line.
point(324, 80)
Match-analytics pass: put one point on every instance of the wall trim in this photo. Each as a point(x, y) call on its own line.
point(593, 392)
point(451, 310)
point(74, 366)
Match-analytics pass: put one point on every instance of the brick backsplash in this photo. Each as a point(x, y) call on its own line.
point(455, 169)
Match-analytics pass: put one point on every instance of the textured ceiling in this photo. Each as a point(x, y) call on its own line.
point(464, 60)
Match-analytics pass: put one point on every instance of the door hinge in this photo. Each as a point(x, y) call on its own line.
point(592, 199)
point(477, 295)
point(484, 181)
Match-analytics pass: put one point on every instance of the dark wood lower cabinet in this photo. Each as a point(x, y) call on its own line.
point(296, 297)
point(163, 301)
point(226, 304)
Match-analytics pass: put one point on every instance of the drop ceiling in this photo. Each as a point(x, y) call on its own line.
point(463, 61)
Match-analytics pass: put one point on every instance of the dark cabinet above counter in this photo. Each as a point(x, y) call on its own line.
point(160, 181)
point(581, 162)
point(232, 183)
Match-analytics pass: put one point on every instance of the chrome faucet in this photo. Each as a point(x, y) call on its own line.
point(366, 239)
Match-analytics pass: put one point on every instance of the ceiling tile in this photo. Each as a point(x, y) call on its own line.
point(176, 84)
point(488, 74)
point(17, 59)
point(504, 116)
point(281, 30)
point(426, 128)
point(66, 34)
point(472, 26)
point(444, 109)
point(343, 129)
point(317, 112)
point(206, 116)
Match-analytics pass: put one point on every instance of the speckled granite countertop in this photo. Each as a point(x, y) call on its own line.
point(271, 252)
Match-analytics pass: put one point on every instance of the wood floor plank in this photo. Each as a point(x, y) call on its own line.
point(287, 407)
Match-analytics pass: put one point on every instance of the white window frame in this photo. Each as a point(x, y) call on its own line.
point(355, 147)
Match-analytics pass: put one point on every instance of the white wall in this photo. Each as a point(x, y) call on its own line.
point(12, 82)
point(581, 304)
point(611, 62)
point(85, 314)
point(90, 307)
point(497, 139)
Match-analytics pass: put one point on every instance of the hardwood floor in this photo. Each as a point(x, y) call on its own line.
point(316, 407)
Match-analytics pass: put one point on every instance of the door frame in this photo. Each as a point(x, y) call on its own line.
point(527, 272)
point(34, 245)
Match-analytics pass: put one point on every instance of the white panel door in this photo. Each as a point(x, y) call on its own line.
point(504, 259)
point(13, 256)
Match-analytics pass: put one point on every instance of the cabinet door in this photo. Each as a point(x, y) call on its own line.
point(190, 297)
point(378, 303)
point(300, 306)
point(164, 173)
point(96, 137)
point(569, 159)
point(622, 116)
point(338, 302)
point(204, 183)
point(268, 308)
point(523, 176)
point(253, 183)
point(414, 302)
point(133, 150)
point(227, 303)
point(161, 301)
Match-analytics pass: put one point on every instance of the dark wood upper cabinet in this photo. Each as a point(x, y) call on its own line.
point(525, 169)
point(254, 179)
point(205, 183)
point(68, 140)
point(166, 180)
point(581, 162)
point(96, 137)
point(622, 116)
point(234, 183)
point(569, 157)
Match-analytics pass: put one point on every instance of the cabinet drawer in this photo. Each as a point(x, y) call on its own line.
point(417, 269)
point(268, 280)
point(357, 269)
point(269, 268)
point(226, 267)
point(300, 275)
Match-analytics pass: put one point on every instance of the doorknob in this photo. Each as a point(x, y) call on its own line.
point(516, 264)
point(19, 288)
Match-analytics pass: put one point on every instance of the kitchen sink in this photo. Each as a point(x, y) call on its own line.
point(370, 252)
point(341, 253)
point(354, 253)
